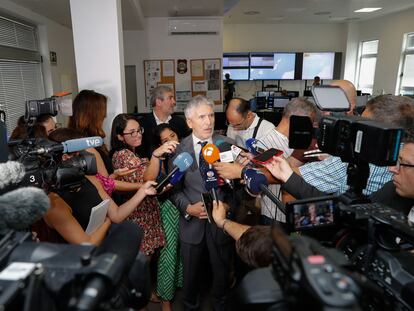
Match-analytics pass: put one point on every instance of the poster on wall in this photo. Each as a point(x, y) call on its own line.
point(168, 68)
point(197, 68)
point(182, 98)
point(152, 73)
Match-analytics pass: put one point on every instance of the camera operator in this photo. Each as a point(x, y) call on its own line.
point(398, 193)
point(253, 244)
point(70, 211)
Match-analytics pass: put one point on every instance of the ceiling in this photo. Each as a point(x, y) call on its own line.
point(234, 11)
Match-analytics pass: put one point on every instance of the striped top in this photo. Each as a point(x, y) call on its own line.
point(275, 139)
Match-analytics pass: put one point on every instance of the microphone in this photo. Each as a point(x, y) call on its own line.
point(212, 154)
point(255, 146)
point(176, 177)
point(256, 182)
point(226, 156)
point(20, 208)
point(113, 257)
point(11, 172)
point(181, 163)
point(71, 145)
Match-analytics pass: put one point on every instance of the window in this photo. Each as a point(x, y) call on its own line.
point(20, 69)
point(406, 79)
point(367, 62)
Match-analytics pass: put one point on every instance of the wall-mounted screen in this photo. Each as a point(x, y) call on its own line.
point(275, 66)
point(236, 74)
point(318, 64)
point(236, 61)
point(237, 65)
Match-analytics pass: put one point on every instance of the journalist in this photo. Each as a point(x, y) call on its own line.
point(69, 214)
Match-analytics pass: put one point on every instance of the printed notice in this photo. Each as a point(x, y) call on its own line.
point(98, 215)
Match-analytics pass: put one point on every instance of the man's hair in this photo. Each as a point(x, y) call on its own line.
point(242, 107)
point(408, 137)
point(158, 93)
point(196, 102)
point(255, 246)
point(299, 106)
point(391, 109)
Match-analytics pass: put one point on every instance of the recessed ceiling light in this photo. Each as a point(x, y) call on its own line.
point(276, 18)
point(337, 18)
point(251, 13)
point(295, 9)
point(367, 10)
point(322, 13)
point(350, 19)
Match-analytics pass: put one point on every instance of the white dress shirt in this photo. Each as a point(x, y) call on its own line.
point(197, 146)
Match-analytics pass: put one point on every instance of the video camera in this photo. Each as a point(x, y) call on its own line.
point(40, 156)
point(46, 276)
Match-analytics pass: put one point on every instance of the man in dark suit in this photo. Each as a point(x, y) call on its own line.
point(196, 234)
point(163, 103)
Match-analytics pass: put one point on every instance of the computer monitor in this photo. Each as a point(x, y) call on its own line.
point(280, 102)
point(318, 64)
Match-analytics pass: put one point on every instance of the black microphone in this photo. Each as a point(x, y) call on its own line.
point(115, 256)
point(11, 172)
point(20, 208)
point(256, 182)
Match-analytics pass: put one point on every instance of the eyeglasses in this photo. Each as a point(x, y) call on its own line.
point(135, 133)
point(399, 164)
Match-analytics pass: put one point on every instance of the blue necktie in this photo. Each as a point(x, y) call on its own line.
point(202, 164)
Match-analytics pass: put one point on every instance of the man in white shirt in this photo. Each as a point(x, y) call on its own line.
point(243, 123)
point(279, 138)
point(163, 105)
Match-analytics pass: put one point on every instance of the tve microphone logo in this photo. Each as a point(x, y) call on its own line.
point(93, 142)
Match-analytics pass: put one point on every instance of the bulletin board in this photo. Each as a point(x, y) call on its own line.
point(156, 73)
point(206, 78)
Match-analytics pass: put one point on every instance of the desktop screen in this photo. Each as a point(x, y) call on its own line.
point(275, 66)
point(318, 64)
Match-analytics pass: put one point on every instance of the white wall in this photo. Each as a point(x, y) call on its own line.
point(282, 38)
point(155, 43)
point(390, 31)
point(52, 37)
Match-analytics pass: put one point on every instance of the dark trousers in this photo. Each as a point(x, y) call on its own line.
point(220, 258)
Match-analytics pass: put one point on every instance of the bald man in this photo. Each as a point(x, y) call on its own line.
point(350, 92)
point(244, 123)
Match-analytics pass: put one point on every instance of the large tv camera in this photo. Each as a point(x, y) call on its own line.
point(40, 156)
point(46, 276)
point(375, 239)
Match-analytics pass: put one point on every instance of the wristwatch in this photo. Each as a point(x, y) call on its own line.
point(187, 216)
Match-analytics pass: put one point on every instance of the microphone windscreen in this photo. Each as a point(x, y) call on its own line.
point(176, 177)
point(11, 172)
point(224, 146)
point(253, 180)
point(255, 146)
point(79, 144)
point(20, 208)
point(183, 161)
point(123, 239)
point(211, 153)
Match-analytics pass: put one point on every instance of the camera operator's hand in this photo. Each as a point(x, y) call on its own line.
point(228, 170)
point(166, 148)
point(197, 210)
point(279, 168)
point(219, 213)
point(148, 188)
